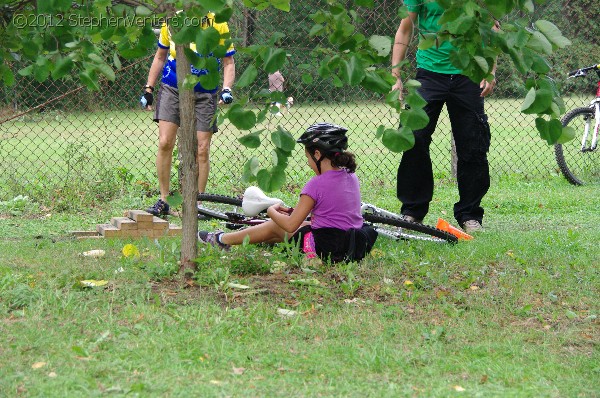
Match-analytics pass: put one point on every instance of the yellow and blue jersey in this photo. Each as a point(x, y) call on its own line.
point(170, 70)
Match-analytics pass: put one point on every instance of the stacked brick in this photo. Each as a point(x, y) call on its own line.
point(137, 224)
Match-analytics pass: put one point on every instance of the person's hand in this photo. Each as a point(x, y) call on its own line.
point(147, 100)
point(226, 96)
point(487, 87)
point(400, 87)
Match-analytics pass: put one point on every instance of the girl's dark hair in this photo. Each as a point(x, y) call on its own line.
point(343, 159)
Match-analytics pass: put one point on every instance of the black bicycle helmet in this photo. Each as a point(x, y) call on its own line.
point(327, 137)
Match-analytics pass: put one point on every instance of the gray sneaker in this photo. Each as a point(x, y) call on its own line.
point(212, 238)
point(408, 218)
point(471, 226)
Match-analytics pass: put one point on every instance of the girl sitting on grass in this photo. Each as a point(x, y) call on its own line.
point(336, 231)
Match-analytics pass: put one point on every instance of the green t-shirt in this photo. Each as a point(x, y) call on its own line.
point(435, 59)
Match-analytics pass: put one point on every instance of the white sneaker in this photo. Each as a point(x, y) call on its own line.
point(471, 226)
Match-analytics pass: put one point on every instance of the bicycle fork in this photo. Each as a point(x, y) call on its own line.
point(586, 133)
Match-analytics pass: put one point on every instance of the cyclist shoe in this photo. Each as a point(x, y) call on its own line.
point(212, 238)
point(160, 208)
point(471, 226)
point(408, 218)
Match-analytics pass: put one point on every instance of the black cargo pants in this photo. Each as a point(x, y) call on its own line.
point(472, 137)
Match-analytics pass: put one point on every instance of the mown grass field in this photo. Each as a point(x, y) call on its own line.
point(512, 313)
point(52, 149)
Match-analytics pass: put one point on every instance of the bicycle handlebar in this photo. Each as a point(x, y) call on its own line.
point(583, 71)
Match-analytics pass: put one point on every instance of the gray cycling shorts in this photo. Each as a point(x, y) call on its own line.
point(167, 108)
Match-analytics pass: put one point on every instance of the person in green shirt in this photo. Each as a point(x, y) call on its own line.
point(442, 83)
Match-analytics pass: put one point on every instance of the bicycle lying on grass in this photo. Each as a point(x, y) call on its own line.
point(578, 159)
point(250, 210)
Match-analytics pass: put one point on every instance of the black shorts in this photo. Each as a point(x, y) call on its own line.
point(336, 245)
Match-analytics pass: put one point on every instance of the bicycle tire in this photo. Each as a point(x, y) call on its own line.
point(406, 230)
point(576, 166)
point(219, 207)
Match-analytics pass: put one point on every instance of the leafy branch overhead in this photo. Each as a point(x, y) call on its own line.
point(56, 38)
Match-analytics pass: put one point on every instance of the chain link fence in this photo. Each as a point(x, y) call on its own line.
point(58, 132)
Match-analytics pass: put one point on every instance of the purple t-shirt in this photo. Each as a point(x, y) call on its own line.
point(337, 200)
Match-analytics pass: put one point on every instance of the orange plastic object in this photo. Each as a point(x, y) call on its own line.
point(445, 226)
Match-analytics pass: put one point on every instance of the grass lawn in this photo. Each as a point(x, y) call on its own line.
point(511, 313)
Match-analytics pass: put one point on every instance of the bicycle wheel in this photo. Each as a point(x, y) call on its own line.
point(397, 228)
point(579, 167)
point(220, 207)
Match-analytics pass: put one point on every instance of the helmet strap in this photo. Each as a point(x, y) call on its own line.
point(317, 162)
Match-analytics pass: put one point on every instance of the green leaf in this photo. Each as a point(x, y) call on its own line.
point(352, 72)
point(283, 5)
point(381, 44)
point(241, 118)
point(41, 72)
point(482, 63)
point(274, 60)
point(143, 11)
point(283, 139)
point(537, 101)
point(207, 40)
point(187, 33)
point(427, 41)
point(402, 12)
point(460, 25)
point(414, 118)
point(365, 3)
point(568, 134)
point(499, 8)
point(271, 180)
point(552, 33)
point(210, 80)
point(250, 169)
point(460, 59)
point(224, 15)
point(374, 82)
point(550, 131)
point(214, 5)
point(307, 78)
point(280, 157)
point(7, 75)
point(380, 131)
point(316, 29)
point(175, 199)
point(106, 70)
point(247, 77)
point(251, 140)
point(62, 66)
point(538, 42)
point(414, 100)
point(398, 140)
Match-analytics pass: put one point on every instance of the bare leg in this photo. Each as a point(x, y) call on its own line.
point(203, 159)
point(267, 232)
point(167, 133)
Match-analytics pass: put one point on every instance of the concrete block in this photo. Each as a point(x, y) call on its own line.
point(108, 230)
point(160, 224)
point(174, 230)
point(140, 215)
point(124, 223)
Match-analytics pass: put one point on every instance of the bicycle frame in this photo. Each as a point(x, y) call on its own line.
point(595, 105)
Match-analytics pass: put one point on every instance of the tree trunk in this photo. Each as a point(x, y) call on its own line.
point(188, 148)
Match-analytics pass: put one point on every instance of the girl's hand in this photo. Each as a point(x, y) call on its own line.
point(280, 209)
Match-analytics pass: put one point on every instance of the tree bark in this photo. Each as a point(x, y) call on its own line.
point(188, 148)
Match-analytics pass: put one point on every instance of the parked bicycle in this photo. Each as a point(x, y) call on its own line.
point(578, 159)
point(238, 213)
